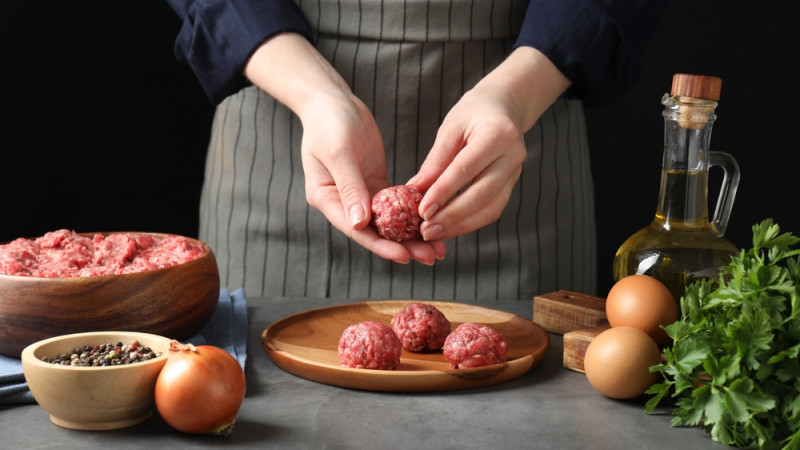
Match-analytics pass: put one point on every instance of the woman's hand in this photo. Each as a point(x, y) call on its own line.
point(478, 146)
point(342, 149)
point(343, 159)
point(479, 149)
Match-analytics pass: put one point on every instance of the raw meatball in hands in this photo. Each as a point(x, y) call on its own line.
point(395, 213)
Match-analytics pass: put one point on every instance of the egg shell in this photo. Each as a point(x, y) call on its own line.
point(617, 362)
point(642, 302)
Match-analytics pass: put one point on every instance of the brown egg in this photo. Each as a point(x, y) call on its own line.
point(617, 362)
point(641, 302)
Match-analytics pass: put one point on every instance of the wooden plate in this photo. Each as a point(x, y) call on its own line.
point(305, 344)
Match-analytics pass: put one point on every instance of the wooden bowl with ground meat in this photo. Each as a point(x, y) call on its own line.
point(147, 282)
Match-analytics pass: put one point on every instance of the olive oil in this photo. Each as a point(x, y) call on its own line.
point(681, 245)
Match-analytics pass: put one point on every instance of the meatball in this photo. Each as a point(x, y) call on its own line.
point(369, 345)
point(395, 213)
point(474, 345)
point(420, 327)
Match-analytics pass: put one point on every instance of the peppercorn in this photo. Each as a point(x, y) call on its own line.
point(104, 355)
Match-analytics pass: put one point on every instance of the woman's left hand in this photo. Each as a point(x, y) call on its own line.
point(478, 153)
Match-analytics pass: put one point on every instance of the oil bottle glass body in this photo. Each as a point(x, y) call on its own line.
point(681, 245)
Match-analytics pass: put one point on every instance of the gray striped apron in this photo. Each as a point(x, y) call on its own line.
point(410, 62)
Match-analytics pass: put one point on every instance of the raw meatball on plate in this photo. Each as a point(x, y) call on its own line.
point(475, 345)
point(421, 327)
point(369, 345)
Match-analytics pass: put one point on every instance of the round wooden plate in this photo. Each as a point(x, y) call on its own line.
point(305, 345)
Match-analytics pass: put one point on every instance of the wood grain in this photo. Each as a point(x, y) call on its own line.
point(564, 311)
point(575, 345)
point(173, 302)
point(305, 345)
point(696, 86)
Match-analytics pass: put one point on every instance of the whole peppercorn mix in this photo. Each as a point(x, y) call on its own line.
point(104, 355)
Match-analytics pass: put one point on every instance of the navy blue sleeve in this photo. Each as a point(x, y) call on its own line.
point(218, 36)
point(596, 43)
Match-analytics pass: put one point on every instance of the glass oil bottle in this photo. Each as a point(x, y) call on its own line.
point(681, 245)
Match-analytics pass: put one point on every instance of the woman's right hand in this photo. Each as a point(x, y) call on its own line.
point(342, 150)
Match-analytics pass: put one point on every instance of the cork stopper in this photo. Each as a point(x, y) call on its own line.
point(696, 86)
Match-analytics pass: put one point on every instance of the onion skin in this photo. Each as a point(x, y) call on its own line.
point(200, 389)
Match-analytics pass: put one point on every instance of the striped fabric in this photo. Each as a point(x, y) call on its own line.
point(409, 61)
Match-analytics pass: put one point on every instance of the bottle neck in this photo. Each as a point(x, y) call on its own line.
point(683, 194)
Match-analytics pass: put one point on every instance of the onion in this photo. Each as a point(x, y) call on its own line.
point(200, 389)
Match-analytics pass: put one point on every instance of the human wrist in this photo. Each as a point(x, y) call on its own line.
point(528, 83)
point(291, 70)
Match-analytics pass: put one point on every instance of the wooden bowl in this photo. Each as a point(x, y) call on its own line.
point(174, 302)
point(94, 398)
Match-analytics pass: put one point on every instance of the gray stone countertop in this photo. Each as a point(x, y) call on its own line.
point(549, 407)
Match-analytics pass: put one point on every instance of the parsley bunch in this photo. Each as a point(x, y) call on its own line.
point(733, 362)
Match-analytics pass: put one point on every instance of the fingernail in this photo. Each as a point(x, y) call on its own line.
point(430, 211)
point(356, 214)
point(433, 233)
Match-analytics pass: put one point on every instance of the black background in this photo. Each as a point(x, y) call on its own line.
point(102, 129)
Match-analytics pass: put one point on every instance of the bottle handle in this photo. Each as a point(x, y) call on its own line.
point(727, 193)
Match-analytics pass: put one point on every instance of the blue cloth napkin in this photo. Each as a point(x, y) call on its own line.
point(226, 329)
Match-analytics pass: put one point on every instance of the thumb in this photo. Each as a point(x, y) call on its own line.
point(444, 149)
point(356, 200)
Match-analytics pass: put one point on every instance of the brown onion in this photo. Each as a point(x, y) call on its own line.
point(200, 389)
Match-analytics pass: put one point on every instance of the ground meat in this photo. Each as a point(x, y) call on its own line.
point(64, 253)
point(474, 345)
point(369, 345)
point(420, 327)
point(395, 213)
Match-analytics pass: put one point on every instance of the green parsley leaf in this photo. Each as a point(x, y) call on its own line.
point(734, 359)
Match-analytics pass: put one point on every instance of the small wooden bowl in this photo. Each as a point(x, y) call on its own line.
point(94, 398)
point(174, 302)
